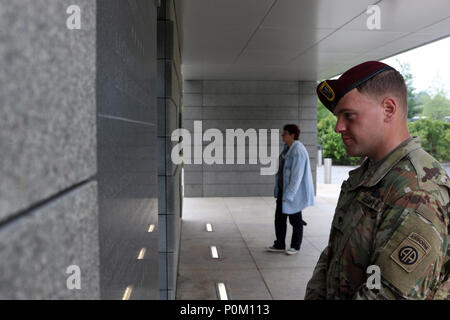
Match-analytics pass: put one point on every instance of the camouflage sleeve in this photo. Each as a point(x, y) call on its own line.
point(317, 285)
point(410, 247)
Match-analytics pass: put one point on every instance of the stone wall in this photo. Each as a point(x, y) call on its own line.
point(48, 191)
point(127, 144)
point(246, 104)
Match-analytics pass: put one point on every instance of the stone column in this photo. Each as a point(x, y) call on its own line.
point(169, 174)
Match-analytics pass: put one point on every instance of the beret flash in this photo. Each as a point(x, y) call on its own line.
point(331, 91)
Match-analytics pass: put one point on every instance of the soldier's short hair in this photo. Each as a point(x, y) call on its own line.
point(292, 129)
point(390, 81)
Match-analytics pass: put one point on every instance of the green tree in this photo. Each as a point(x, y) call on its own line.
point(322, 112)
point(331, 142)
point(421, 98)
point(434, 135)
point(413, 105)
point(437, 107)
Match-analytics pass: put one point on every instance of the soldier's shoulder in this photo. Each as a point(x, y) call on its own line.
point(418, 182)
point(418, 172)
point(429, 171)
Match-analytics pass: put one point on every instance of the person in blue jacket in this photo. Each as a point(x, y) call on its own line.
point(294, 190)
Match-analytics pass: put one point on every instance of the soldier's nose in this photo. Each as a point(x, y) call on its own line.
point(339, 126)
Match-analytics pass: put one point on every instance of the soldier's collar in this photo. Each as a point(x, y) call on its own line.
point(403, 149)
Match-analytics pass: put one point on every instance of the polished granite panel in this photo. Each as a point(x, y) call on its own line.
point(43, 243)
point(127, 148)
point(47, 99)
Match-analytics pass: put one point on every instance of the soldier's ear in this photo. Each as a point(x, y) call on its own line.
point(390, 108)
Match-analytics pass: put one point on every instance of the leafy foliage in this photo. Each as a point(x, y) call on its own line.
point(435, 137)
point(331, 142)
point(322, 112)
point(413, 104)
point(437, 107)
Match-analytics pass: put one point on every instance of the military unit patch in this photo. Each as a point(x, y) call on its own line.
point(411, 251)
point(327, 92)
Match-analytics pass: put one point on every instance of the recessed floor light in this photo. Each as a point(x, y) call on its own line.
point(127, 293)
point(141, 254)
point(214, 252)
point(209, 227)
point(222, 291)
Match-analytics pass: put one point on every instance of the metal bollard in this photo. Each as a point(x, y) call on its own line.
point(327, 170)
point(319, 157)
point(182, 182)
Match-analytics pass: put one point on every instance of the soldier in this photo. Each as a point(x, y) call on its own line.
point(393, 210)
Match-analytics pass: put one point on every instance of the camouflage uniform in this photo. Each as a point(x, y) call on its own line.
point(394, 214)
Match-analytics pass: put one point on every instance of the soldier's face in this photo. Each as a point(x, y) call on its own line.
point(360, 124)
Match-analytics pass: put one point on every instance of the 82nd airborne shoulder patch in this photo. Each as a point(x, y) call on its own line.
point(411, 251)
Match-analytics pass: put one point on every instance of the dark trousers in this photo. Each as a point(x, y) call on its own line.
point(296, 222)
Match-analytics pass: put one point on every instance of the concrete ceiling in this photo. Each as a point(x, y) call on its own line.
point(299, 39)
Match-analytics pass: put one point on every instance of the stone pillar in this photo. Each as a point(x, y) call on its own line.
point(308, 123)
point(169, 175)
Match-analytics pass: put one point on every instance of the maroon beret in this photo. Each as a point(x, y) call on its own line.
point(331, 91)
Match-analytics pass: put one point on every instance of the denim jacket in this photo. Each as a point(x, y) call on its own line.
point(298, 187)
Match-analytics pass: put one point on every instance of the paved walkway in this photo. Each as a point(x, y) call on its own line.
point(338, 174)
point(447, 168)
point(243, 227)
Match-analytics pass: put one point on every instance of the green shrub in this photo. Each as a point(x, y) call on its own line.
point(331, 142)
point(434, 135)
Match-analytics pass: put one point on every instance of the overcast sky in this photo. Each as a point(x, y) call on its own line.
point(429, 65)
